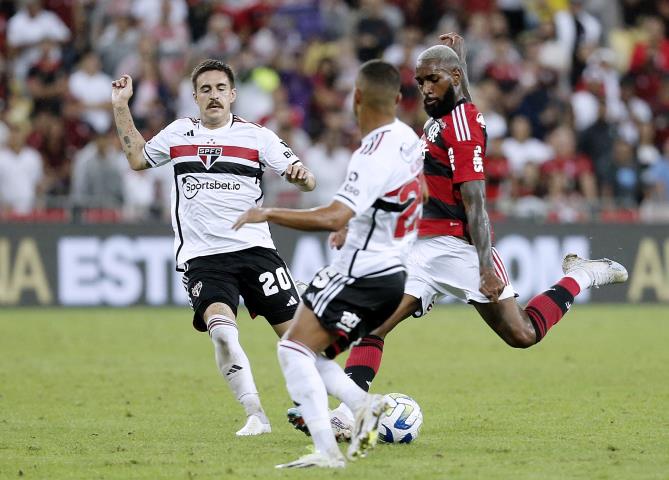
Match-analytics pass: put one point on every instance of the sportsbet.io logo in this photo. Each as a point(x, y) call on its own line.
point(191, 186)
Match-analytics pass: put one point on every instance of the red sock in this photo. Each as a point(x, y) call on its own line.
point(547, 308)
point(364, 361)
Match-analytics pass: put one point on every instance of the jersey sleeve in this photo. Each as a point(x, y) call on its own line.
point(364, 184)
point(468, 141)
point(275, 152)
point(157, 150)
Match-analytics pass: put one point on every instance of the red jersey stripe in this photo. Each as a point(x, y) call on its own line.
point(226, 151)
point(441, 188)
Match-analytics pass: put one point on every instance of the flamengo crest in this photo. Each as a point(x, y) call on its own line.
point(209, 155)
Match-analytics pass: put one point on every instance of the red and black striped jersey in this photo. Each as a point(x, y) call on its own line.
point(454, 147)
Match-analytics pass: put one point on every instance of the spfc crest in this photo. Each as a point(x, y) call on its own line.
point(209, 155)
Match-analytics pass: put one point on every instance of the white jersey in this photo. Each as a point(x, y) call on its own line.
point(383, 188)
point(217, 177)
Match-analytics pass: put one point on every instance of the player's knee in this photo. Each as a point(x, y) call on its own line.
point(520, 338)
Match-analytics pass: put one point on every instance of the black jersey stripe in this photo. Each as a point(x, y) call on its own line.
point(435, 208)
point(231, 168)
point(435, 167)
point(176, 215)
point(364, 247)
point(392, 207)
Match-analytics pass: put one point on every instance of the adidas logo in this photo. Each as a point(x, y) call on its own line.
point(291, 302)
point(233, 369)
point(189, 133)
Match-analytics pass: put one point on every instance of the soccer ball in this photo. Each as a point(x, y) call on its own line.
point(401, 421)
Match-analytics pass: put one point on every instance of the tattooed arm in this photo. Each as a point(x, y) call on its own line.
point(131, 140)
point(473, 197)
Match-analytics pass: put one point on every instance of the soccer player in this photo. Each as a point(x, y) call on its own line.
point(219, 160)
point(454, 254)
point(380, 201)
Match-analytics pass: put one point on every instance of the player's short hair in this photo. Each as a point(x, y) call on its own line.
point(379, 82)
point(211, 64)
point(442, 54)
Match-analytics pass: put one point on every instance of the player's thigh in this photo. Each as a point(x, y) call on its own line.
point(351, 308)
point(212, 287)
point(307, 329)
point(450, 266)
point(267, 286)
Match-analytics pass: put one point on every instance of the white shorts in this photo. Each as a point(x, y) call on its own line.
point(448, 265)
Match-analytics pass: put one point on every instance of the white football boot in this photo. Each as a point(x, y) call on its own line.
point(365, 429)
point(317, 459)
point(254, 426)
point(341, 420)
point(600, 272)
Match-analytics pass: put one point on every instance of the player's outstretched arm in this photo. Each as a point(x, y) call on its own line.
point(330, 218)
point(457, 43)
point(300, 176)
point(131, 140)
point(473, 198)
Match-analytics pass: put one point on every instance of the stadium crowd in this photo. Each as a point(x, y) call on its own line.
point(575, 95)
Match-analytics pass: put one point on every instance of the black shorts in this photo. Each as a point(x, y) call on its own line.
point(258, 274)
point(352, 307)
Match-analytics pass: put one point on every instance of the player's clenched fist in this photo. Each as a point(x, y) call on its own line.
point(491, 285)
point(122, 90)
point(456, 42)
point(297, 173)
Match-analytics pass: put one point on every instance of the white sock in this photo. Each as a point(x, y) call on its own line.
point(234, 365)
point(306, 388)
point(581, 277)
point(339, 384)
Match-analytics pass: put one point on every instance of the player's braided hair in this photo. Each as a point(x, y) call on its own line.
point(211, 64)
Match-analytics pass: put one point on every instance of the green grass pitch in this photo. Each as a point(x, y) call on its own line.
point(134, 393)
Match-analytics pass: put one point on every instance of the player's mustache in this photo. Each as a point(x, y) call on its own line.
point(214, 104)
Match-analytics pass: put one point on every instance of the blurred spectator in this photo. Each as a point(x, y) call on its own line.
point(90, 88)
point(98, 173)
point(27, 29)
point(117, 39)
point(487, 98)
point(597, 142)
point(579, 32)
point(172, 37)
point(328, 159)
point(632, 111)
point(55, 142)
point(626, 188)
point(653, 51)
point(220, 41)
point(646, 151)
point(285, 122)
point(568, 171)
point(497, 174)
point(21, 173)
point(150, 12)
point(521, 148)
point(47, 80)
point(650, 59)
point(656, 180)
point(373, 32)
